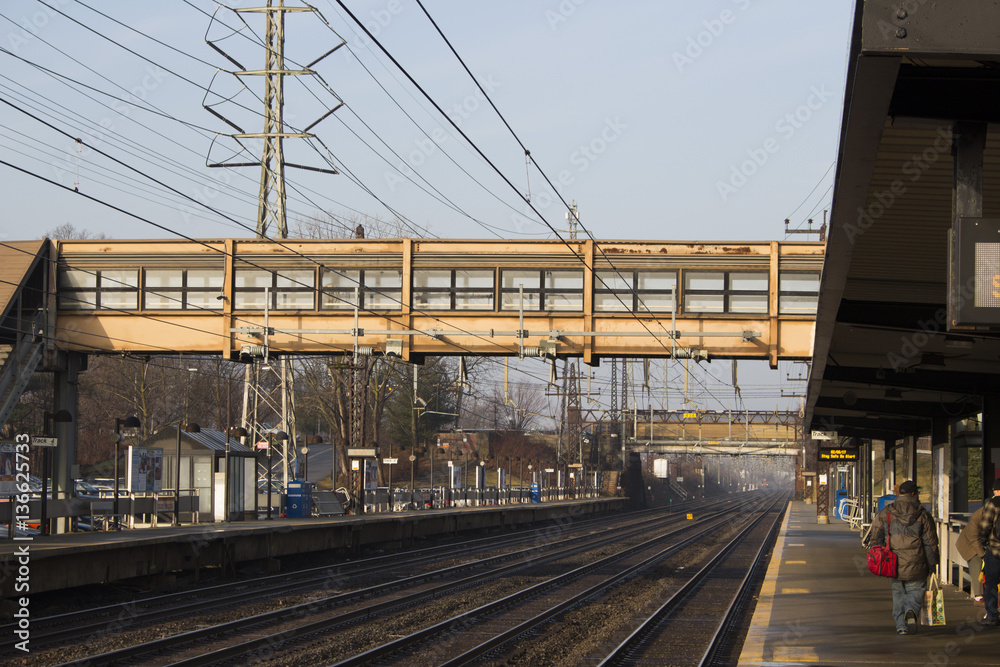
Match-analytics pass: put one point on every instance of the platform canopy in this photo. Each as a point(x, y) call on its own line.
point(919, 149)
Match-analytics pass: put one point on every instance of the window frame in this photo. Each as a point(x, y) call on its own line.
point(542, 292)
point(98, 290)
point(181, 292)
point(453, 291)
point(792, 293)
point(727, 292)
point(275, 290)
point(342, 298)
point(635, 293)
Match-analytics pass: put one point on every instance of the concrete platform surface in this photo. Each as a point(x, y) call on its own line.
point(820, 606)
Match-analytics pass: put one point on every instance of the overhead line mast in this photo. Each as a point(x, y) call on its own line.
point(271, 199)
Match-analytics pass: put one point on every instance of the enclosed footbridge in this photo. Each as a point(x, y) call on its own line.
point(412, 298)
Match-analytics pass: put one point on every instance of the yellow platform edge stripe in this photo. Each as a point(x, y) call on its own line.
point(753, 646)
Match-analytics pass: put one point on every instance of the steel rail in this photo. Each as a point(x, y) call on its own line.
point(723, 630)
point(476, 615)
point(52, 629)
point(295, 611)
point(649, 627)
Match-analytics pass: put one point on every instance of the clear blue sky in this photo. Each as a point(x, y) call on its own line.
point(662, 119)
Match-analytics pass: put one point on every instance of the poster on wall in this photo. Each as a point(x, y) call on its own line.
point(8, 466)
point(144, 470)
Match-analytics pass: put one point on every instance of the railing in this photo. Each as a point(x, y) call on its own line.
point(97, 513)
point(402, 499)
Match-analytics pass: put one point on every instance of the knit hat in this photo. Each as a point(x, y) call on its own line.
point(908, 487)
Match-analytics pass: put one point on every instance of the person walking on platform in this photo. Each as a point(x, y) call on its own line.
point(991, 559)
point(972, 550)
point(913, 539)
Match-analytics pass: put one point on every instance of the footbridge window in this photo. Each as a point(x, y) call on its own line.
point(627, 291)
point(182, 289)
point(453, 289)
point(376, 289)
point(543, 290)
point(798, 293)
point(110, 289)
point(725, 291)
point(291, 289)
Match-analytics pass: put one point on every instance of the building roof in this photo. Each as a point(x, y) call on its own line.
point(209, 438)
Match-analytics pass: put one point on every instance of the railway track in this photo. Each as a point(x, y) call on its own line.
point(54, 629)
point(461, 613)
point(119, 625)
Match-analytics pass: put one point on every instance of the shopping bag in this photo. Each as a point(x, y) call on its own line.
point(933, 610)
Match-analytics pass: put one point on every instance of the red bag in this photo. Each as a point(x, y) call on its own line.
point(881, 559)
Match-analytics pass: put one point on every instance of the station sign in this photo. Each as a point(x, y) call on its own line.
point(842, 454)
point(362, 452)
point(45, 442)
point(389, 461)
point(823, 435)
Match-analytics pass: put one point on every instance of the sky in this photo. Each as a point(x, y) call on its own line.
point(661, 119)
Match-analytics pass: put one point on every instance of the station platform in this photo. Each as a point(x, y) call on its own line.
point(820, 605)
point(67, 560)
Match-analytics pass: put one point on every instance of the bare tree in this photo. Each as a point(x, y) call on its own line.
point(325, 225)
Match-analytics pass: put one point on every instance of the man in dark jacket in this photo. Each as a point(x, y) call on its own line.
point(991, 559)
point(914, 541)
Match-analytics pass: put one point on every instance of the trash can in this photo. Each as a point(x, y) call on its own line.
point(882, 500)
point(536, 493)
point(298, 504)
point(839, 505)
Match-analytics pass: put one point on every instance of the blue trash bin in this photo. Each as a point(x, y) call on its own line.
point(536, 493)
point(298, 503)
point(839, 505)
point(882, 500)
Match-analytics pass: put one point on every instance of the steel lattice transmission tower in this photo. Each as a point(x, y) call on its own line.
point(271, 198)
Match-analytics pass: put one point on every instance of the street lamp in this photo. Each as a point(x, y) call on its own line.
point(128, 422)
point(60, 417)
point(272, 437)
point(413, 459)
point(232, 432)
point(311, 440)
point(190, 428)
